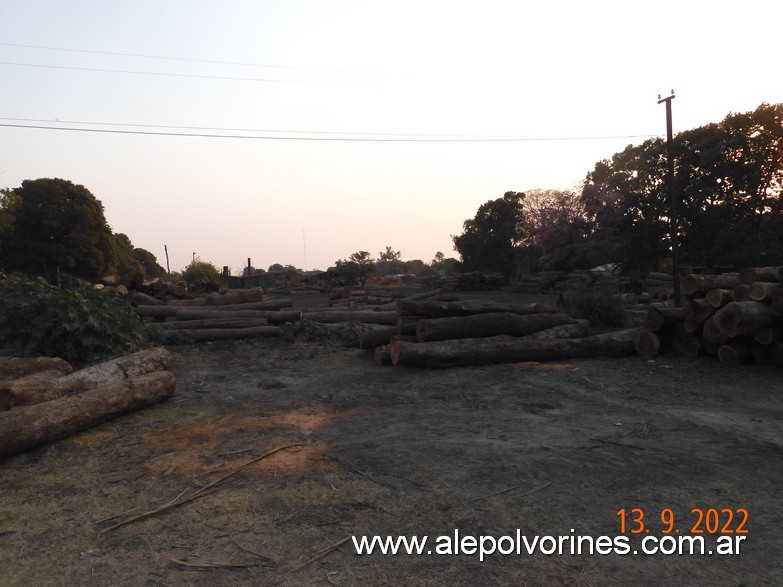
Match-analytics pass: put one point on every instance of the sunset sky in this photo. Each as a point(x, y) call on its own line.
point(299, 132)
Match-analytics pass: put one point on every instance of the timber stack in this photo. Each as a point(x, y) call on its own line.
point(214, 316)
point(737, 317)
point(431, 333)
point(43, 399)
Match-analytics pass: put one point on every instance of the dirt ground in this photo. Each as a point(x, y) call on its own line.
point(546, 449)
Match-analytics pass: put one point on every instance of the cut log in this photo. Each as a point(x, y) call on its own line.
point(29, 391)
point(370, 338)
point(738, 318)
point(26, 427)
point(646, 343)
point(509, 349)
point(365, 316)
point(762, 291)
point(467, 308)
point(719, 297)
point(735, 351)
point(779, 274)
point(39, 380)
point(14, 367)
point(699, 309)
point(484, 325)
point(171, 310)
point(741, 293)
point(578, 329)
point(272, 316)
point(768, 335)
point(138, 298)
point(663, 319)
point(209, 323)
point(776, 307)
point(241, 296)
point(750, 275)
point(407, 325)
point(383, 355)
point(697, 283)
point(711, 332)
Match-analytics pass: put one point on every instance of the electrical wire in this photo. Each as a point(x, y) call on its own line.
point(164, 74)
point(377, 139)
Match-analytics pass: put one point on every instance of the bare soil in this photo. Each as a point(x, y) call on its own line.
point(549, 449)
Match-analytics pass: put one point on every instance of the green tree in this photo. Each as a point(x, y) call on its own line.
point(389, 255)
point(51, 225)
point(125, 261)
point(490, 240)
point(728, 180)
point(148, 262)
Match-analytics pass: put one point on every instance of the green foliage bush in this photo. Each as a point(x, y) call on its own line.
point(600, 305)
point(202, 273)
point(74, 321)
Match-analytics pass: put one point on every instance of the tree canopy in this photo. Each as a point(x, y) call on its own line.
point(51, 225)
point(729, 185)
point(489, 240)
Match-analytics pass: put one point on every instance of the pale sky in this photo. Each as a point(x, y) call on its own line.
point(560, 76)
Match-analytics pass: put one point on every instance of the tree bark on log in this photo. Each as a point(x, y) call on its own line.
point(709, 346)
point(738, 318)
point(741, 293)
point(383, 355)
point(580, 328)
point(272, 316)
point(776, 307)
point(12, 368)
point(138, 298)
point(508, 349)
point(466, 308)
point(374, 337)
point(170, 310)
point(484, 325)
point(242, 296)
point(210, 323)
point(699, 309)
point(26, 427)
point(696, 283)
point(29, 391)
point(365, 316)
point(750, 275)
point(762, 291)
point(663, 319)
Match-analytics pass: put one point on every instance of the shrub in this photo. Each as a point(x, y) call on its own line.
point(74, 321)
point(203, 274)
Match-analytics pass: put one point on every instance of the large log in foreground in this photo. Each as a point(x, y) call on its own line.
point(430, 309)
point(33, 390)
point(483, 325)
point(26, 427)
point(508, 349)
point(272, 316)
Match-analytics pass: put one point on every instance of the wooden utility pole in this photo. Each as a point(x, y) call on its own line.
point(673, 222)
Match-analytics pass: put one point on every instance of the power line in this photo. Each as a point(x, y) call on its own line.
point(412, 139)
point(190, 59)
point(158, 73)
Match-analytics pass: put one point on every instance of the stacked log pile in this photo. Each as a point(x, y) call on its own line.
point(42, 399)
point(737, 317)
point(446, 334)
point(232, 315)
